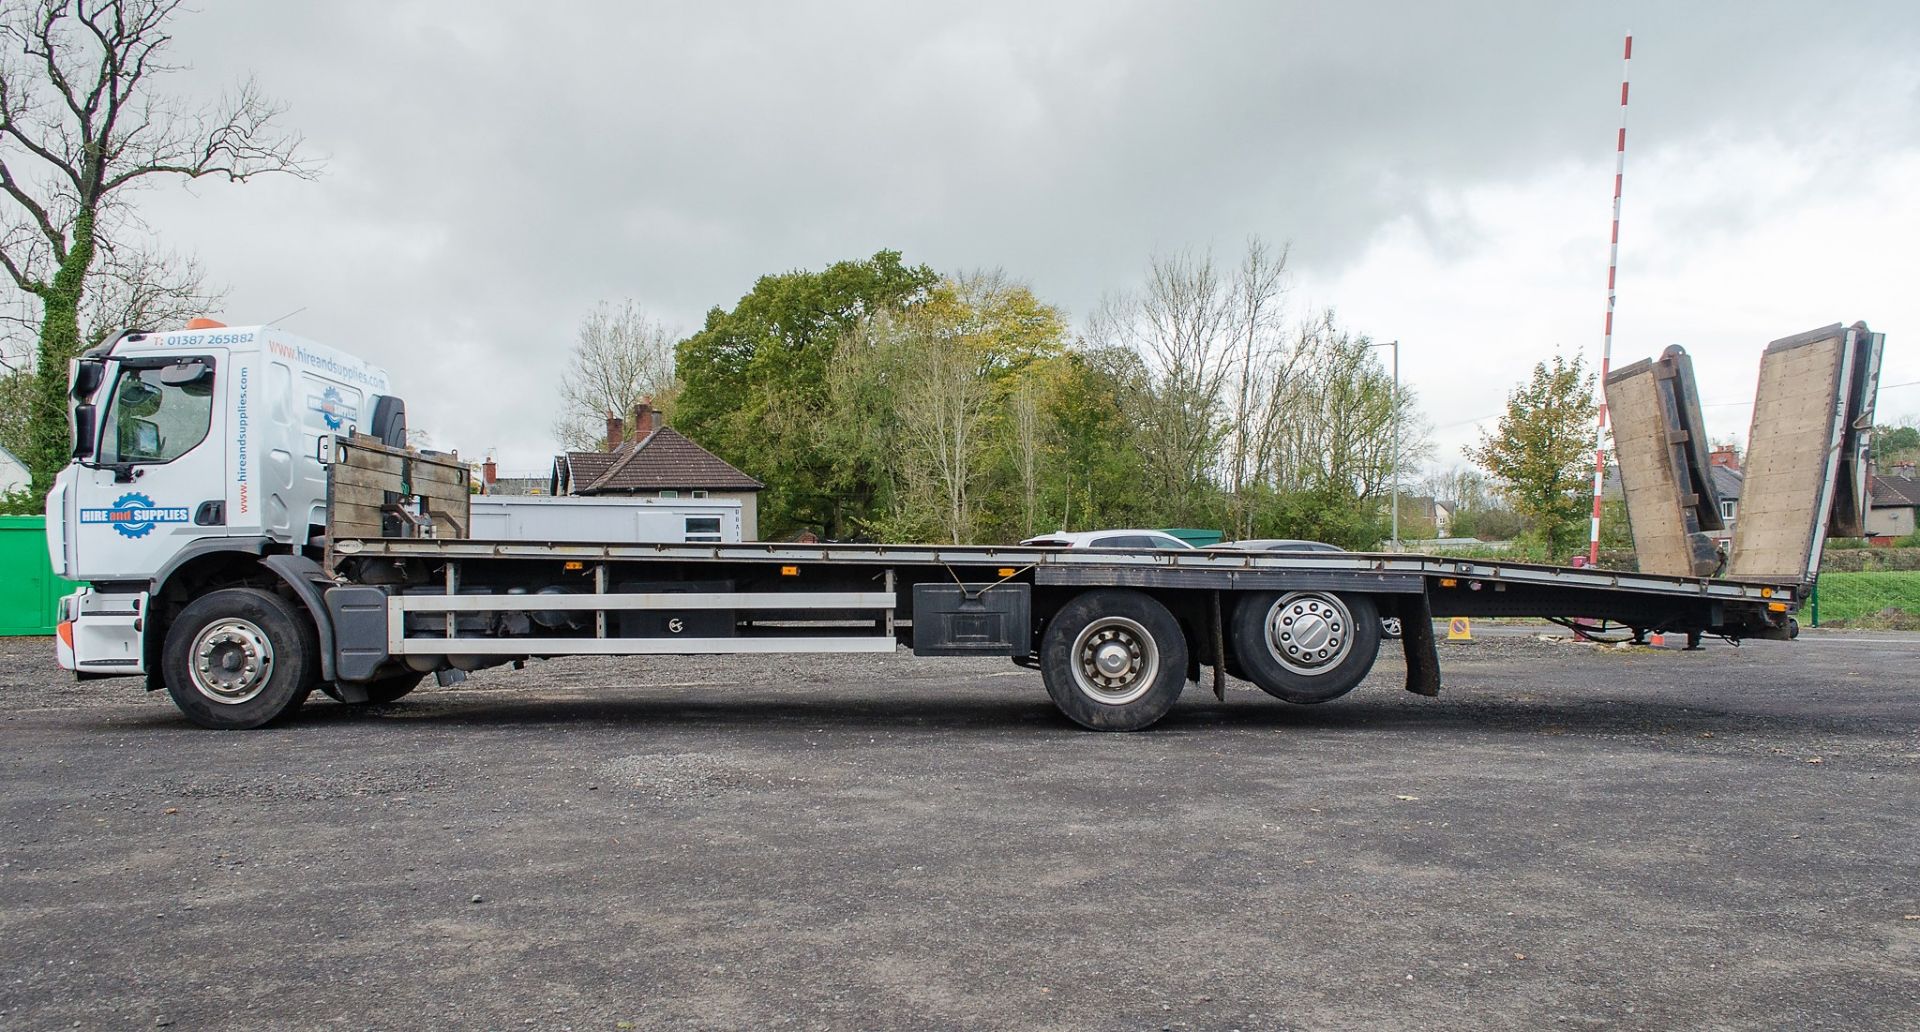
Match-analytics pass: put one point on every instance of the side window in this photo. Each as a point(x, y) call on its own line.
point(1166, 541)
point(1110, 542)
point(158, 413)
point(703, 528)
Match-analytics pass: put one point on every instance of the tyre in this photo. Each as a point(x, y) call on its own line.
point(1306, 646)
point(238, 658)
point(1390, 627)
point(381, 690)
point(1113, 660)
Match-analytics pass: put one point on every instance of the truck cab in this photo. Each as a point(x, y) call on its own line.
point(196, 453)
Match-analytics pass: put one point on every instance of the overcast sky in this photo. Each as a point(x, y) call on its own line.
point(1442, 171)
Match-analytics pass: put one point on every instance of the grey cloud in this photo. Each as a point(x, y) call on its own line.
point(495, 169)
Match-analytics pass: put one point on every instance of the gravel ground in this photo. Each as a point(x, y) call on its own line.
point(1567, 838)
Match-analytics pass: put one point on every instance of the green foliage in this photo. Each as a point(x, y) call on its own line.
point(879, 401)
point(1870, 599)
point(1329, 512)
point(1488, 521)
point(1616, 530)
point(1895, 444)
point(756, 389)
point(21, 503)
point(1540, 453)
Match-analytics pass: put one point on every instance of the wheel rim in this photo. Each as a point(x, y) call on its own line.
point(1309, 633)
point(232, 661)
point(1115, 661)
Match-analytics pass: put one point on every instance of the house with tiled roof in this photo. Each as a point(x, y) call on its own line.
point(1893, 502)
point(651, 460)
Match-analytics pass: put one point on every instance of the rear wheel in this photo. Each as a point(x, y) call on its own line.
point(1306, 646)
point(238, 658)
point(1113, 660)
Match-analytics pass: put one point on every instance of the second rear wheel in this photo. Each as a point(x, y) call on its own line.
point(1306, 646)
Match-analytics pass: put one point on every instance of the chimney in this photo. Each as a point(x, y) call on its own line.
point(489, 473)
point(646, 419)
point(1724, 455)
point(615, 432)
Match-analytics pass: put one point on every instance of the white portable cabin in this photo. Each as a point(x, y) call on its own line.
point(605, 518)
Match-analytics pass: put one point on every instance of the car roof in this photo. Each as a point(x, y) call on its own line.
point(1283, 545)
point(1070, 538)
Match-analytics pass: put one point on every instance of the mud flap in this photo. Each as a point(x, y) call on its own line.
point(1219, 649)
point(1416, 640)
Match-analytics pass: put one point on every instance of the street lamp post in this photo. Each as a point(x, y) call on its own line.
point(1395, 345)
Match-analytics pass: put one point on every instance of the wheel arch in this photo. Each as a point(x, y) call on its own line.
point(234, 563)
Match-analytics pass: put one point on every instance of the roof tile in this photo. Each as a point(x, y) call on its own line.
point(664, 460)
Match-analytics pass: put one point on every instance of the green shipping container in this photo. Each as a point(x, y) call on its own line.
point(1196, 537)
point(28, 589)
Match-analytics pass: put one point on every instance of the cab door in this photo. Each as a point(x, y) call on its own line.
point(158, 475)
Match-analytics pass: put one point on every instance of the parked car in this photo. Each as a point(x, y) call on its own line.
point(1389, 625)
point(1126, 538)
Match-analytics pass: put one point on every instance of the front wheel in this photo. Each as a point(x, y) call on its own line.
point(238, 658)
point(1113, 660)
point(1306, 646)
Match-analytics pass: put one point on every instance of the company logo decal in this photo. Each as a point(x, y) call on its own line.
point(333, 407)
point(134, 515)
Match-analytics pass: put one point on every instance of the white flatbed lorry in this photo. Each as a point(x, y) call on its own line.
point(251, 526)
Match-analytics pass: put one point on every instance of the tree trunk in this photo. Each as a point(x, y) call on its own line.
point(59, 342)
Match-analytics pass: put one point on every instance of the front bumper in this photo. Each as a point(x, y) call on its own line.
point(102, 634)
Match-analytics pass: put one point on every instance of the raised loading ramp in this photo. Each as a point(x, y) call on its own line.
point(1806, 452)
point(1661, 444)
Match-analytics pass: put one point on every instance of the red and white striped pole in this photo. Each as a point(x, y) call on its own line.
point(1606, 342)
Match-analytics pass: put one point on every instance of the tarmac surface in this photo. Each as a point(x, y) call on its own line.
point(1568, 837)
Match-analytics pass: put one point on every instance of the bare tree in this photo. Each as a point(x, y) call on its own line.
point(1178, 324)
point(942, 407)
point(621, 356)
point(1029, 430)
point(80, 129)
point(1260, 357)
point(1328, 415)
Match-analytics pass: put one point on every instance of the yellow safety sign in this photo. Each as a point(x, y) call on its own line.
point(1459, 628)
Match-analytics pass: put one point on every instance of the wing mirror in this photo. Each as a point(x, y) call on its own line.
point(86, 428)
point(84, 377)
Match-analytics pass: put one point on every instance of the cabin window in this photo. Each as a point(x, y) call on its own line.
point(158, 413)
point(704, 529)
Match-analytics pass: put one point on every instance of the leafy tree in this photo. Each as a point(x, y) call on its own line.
point(1540, 454)
point(945, 376)
point(1895, 443)
point(80, 131)
point(756, 385)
